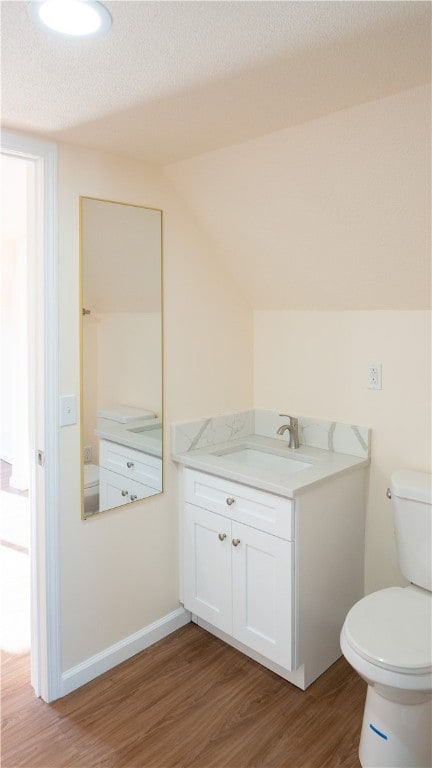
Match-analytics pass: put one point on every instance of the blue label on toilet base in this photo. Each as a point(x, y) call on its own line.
point(379, 733)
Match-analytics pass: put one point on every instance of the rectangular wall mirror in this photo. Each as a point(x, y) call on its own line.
point(121, 354)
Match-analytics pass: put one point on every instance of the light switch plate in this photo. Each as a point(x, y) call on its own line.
point(68, 410)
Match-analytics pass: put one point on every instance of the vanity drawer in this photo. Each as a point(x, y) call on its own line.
point(261, 510)
point(116, 490)
point(131, 463)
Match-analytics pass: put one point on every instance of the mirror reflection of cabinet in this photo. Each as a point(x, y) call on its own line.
point(121, 353)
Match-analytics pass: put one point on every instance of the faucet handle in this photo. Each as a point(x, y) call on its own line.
point(293, 419)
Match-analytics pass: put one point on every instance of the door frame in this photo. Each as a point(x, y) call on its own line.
point(44, 420)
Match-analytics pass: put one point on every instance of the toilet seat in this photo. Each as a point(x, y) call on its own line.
point(91, 476)
point(391, 629)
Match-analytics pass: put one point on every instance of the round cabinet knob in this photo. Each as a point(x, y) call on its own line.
point(221, 536)
point(235, 542)
point(134, 497)
point(129, 464)
point(125, 493)
point(230, 500)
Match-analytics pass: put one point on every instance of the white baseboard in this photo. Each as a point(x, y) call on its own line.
point(96, 665)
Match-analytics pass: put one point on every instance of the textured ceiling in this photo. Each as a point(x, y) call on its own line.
point(172, 80)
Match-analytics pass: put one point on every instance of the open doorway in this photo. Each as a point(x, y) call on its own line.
point(29, 399)
point(17, 215)
point(15, 634)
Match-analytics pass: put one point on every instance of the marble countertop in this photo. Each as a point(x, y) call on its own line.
point(325, 464)
point(142, 435)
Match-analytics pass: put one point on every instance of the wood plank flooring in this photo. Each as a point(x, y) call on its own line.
point(189, 701)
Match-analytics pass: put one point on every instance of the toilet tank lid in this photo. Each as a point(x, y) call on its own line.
point(408, 484)
point(125, 413)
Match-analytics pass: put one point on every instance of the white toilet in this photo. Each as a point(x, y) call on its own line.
point(91, 489)
point(386, 637)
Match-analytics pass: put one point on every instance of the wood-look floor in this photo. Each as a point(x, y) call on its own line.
point(189, 701)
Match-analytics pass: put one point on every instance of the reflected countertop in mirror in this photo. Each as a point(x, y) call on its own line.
point(143, 435)
point(121, 353)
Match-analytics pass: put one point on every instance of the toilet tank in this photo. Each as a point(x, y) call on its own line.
point(411, 494)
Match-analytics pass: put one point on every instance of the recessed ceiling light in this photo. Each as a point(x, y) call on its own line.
point(79, 18)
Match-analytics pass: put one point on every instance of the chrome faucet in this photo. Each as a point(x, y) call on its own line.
point(292, 427)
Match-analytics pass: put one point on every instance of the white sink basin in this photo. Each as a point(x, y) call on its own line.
point(254, 457)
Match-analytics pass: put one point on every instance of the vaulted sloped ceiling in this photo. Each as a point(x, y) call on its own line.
point(171, 80)
point(331, 214)
point(297, 133)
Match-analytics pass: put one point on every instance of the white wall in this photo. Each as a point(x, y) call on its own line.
point(122, 364)
point(315, 364)
point(129, 359)
point(326, 226)
point(89, 405)
point(330, 215)
point(119, 569)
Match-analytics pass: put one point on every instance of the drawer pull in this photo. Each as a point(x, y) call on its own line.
point(230, 500)
point(134, 497)
point(129, 464)
point(125, 493)
point(221, 536)
point(235, 542)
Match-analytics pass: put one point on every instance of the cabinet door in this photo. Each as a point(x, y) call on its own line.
point(207, 566)
point(262, 572)
point(114, 489)
point(140, 491)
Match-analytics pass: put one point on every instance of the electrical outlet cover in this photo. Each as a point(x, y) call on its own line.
point(87, 453)
point(374, 380)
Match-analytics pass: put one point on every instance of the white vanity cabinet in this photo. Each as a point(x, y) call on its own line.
point(271, 575)
point(239, 564)
point(126, 474)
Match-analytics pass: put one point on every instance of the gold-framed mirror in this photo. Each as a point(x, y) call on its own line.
point(121, 354)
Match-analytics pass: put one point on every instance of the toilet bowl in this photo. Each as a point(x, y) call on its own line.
point(386, 637)
point(91, 489)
